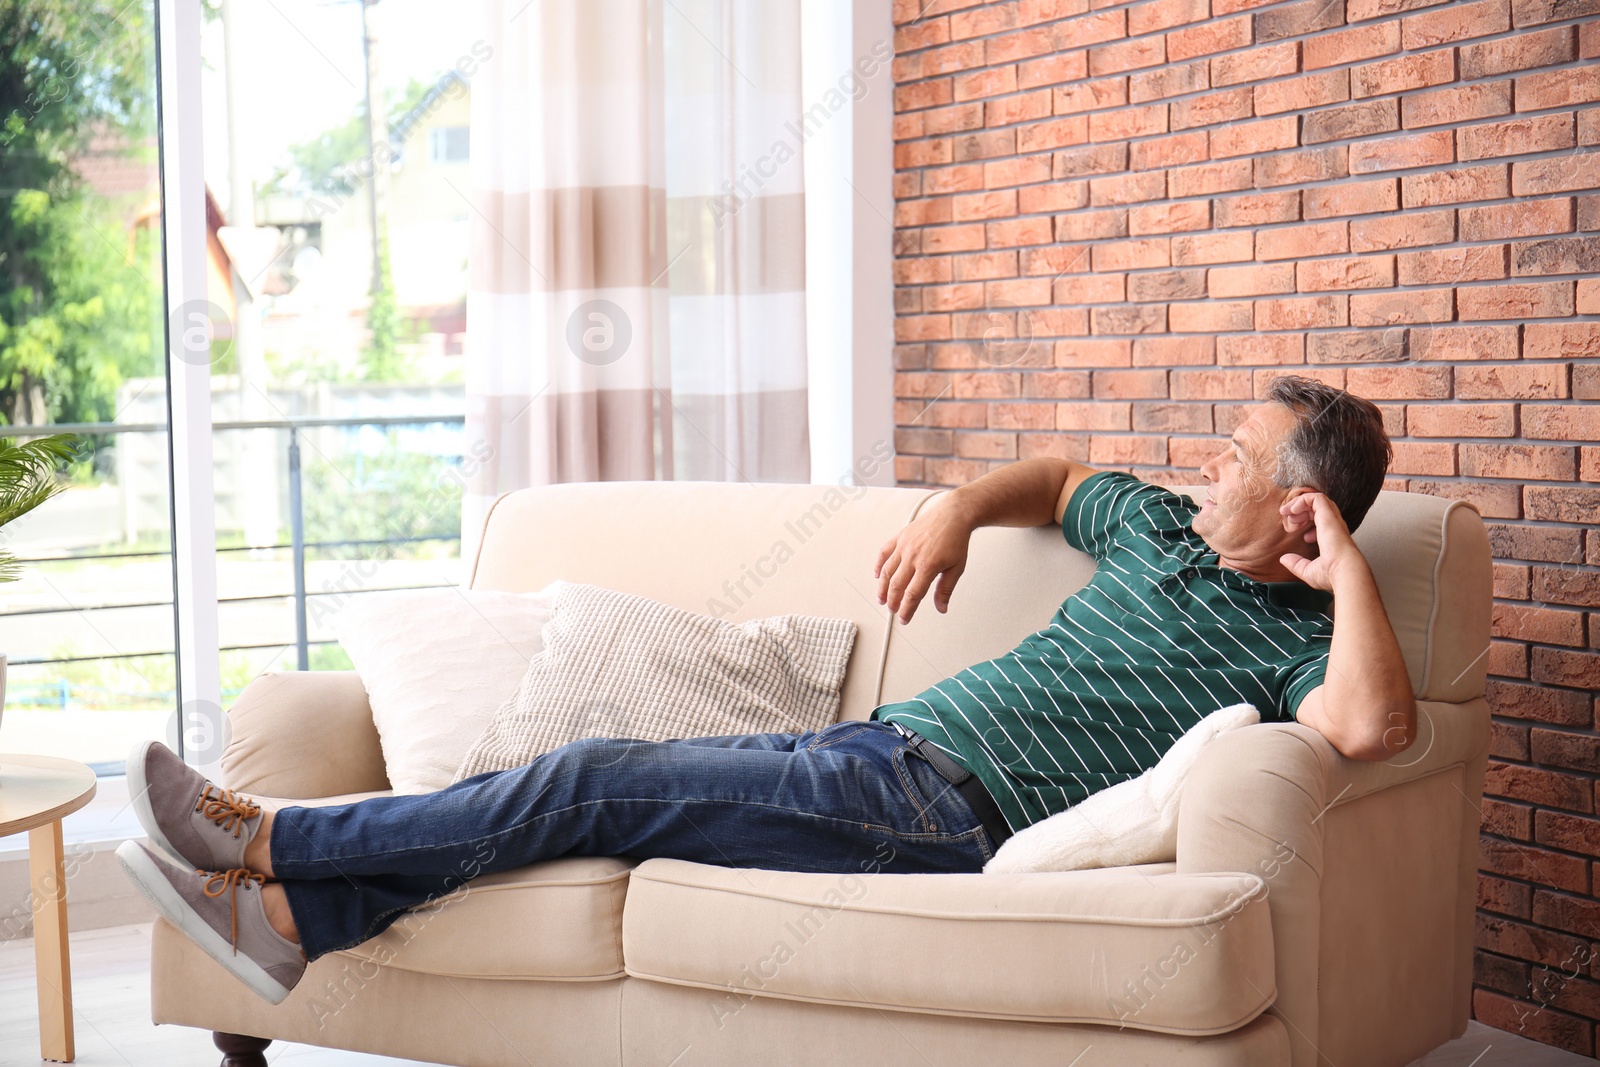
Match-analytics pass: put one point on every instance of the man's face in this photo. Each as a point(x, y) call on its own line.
point(1240, 514)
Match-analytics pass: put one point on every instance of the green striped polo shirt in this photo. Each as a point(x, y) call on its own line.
point(1160, 637)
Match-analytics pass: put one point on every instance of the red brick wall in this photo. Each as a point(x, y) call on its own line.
point(1115, 222)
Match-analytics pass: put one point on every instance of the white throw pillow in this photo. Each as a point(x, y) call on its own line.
point(436, 664)
point(1132, 822)
point(619, 665)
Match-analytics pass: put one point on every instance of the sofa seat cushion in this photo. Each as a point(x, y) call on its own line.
point(1139, 947)
point(558, 920)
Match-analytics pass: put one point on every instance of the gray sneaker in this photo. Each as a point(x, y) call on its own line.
point(190, 819)
point(221, 912)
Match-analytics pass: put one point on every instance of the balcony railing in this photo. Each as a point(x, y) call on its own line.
point(61, 692)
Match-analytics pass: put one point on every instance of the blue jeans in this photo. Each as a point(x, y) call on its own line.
point(852, 797)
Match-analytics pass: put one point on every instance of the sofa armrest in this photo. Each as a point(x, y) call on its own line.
point(300, 735)
point(1370, 867)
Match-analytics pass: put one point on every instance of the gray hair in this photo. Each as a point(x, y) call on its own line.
point(1338, 445)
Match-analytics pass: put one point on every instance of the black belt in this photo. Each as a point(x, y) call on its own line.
point(966, 783)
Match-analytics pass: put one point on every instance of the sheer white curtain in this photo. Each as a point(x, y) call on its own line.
point(636, 308)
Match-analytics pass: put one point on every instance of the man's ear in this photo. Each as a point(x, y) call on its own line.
point(1288, 525)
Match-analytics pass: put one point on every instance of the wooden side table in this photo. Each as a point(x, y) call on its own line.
point(36, 793)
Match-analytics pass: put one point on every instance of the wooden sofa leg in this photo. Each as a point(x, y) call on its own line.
point(240, 1051)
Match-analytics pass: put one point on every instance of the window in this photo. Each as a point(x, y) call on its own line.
point(338, 405)
point(89, 627)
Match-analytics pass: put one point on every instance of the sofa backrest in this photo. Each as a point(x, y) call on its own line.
point(740, 551)
point(732, 550)
point(1434, 568)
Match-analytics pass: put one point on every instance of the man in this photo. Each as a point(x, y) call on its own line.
point(1190, 609)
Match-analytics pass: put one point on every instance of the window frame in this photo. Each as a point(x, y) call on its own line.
point(180, 136)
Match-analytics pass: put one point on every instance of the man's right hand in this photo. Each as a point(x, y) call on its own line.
point(934, 545)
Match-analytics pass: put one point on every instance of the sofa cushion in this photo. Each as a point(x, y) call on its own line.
point(1127, 946)
point(557, 920)
point(436, 664)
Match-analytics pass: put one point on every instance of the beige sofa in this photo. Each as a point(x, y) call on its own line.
point(1317, 905)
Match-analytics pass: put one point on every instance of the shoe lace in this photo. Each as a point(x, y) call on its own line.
point(226, 808)
point(220, 882)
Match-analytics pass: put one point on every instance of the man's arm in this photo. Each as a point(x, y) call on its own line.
point(1364, 706)
point(1026, 493)
point(934, 545)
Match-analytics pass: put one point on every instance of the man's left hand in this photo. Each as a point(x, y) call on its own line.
point(1320, 523)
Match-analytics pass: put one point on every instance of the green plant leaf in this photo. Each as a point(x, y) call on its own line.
point(27, 479)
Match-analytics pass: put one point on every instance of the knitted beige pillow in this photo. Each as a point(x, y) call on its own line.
point(619, 665)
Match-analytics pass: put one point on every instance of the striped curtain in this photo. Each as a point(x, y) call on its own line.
point(636, 305)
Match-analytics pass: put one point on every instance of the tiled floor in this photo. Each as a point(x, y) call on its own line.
point(110, 981)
